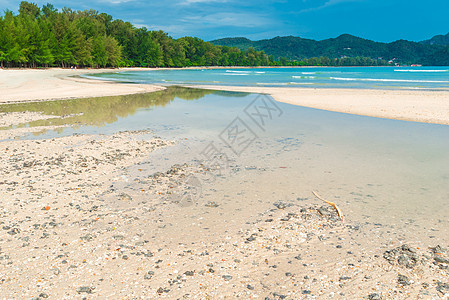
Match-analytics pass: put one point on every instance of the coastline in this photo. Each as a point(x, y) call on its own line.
point(58, 84)
point(94, 215)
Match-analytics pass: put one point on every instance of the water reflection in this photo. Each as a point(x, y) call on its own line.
point(101, 111)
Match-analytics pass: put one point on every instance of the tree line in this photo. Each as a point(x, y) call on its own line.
point(47, 37)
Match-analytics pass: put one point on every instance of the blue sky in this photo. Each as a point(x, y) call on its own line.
point(379, 20)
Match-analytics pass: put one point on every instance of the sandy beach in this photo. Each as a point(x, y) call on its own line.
point(94, 216)
point(53, 84)
point(407, 105)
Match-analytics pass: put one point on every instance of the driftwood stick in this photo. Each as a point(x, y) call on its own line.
point(340, 214)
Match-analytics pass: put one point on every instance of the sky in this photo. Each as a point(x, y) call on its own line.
point(378, 20)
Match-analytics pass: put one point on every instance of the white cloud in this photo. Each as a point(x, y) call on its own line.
point(188, 2)
point(229, 19)
point(115, 1)
point(327, 4)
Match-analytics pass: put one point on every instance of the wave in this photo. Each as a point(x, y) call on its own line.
point(304, 77)
point(283, 83)
point(239, 72)
point(388, 80)
point(426, 71)
point(236, 74)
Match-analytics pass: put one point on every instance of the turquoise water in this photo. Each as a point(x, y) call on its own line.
point(324, 77)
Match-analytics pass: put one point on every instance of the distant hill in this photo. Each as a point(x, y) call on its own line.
point(346, 45)
point(437, 40)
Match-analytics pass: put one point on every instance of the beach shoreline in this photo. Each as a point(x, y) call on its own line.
point(104, 216)
point(58, 84)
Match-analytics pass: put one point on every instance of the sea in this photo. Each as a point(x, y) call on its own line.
point(426, 78)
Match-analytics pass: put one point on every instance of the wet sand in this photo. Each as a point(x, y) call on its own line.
point(82, 217)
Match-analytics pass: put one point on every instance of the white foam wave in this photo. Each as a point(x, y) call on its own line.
point(235, 74)
point(424, 71)
point(239, 72)
point(388, 80)
point(304, 77)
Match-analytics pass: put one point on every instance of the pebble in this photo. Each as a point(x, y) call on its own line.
point(374, 296)
point(403, 280)
point(227, 277)
point(85, 289)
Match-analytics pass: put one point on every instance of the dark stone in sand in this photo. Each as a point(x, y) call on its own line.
point(85, 289)
point(442, 260)
point(405, 256)
point(438, 249)
point(374, 296)
point(443, 287)
point(345, 278)
point(87, 237)
point(306, 292)
point(189, 273)
point(403, 280)
point(211, 204)
point(251, 238)
point(280, 296)
point(250, 287)
point(43, 295)
point(227, 277)
point(14, 231)
point(280, 205)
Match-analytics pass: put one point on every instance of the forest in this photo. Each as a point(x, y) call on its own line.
point(350, 49)
point(46, 37)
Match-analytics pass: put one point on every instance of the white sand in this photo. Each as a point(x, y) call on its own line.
point(410, 105)
point(52, 84)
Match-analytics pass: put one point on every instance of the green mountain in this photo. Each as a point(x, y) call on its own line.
point(346, 45)
point(437, 40)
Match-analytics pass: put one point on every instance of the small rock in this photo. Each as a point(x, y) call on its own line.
point(374, 296)
point(85, 289)
point(14, 231)
point(443, 287)
point(189, 273)
point(442, 260)
point(306, 292)
point(87, 237)
point(403, 280)
point(227, 277)
point(250, 287)
point(280, 205)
